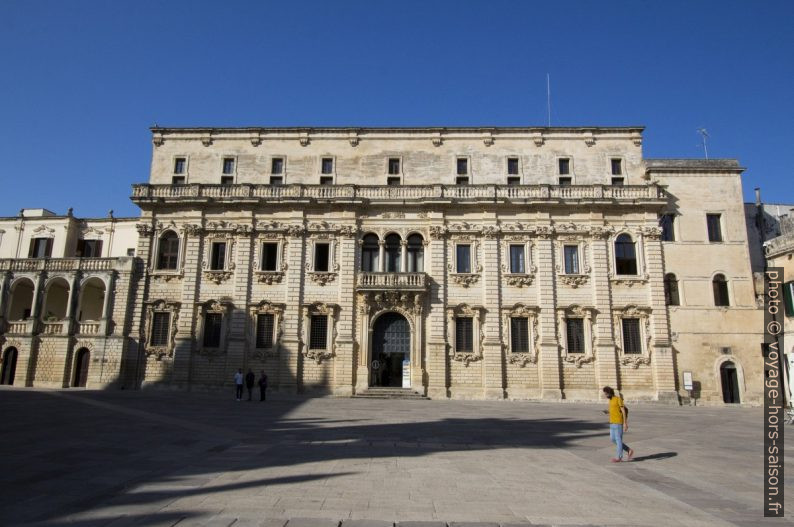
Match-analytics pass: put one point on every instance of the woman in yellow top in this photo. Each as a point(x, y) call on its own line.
point(618, 423)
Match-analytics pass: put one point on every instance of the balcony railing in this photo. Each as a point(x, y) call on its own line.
point(88, 328)
point(392, 281)
point(58, 264)
point(407, 193)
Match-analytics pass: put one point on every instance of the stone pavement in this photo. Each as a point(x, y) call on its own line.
point(117, 458)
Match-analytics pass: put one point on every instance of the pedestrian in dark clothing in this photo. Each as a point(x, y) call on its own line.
point(262, 386)
point(249, 382)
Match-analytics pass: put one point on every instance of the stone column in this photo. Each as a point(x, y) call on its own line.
point(191, 269)
point(36, 305)
point(237, 347)
point(290, 354)
point(664, 374)
point(493, 361)
point(403, 256)
point(107, 306)
point(135, 357)
point(381, 255)
point(344, 360)
point(362, 368)
point(436, 354)
point(606, 365)
point(70, 301)
point(549, 360)
point(3, 299)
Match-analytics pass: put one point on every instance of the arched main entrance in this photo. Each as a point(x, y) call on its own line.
point(9, 366)
point(391, 345)
point(730, 383)
point(81, 368)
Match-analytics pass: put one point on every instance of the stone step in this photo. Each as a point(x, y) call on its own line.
point(389, 393)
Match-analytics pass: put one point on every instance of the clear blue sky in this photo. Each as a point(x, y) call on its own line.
point(82, 81)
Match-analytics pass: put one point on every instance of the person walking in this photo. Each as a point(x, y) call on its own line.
point(262, 386)
point(249, 382)
point(238, 385)
point(618, 424)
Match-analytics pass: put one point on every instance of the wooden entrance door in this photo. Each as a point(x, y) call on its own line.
point(391, 344)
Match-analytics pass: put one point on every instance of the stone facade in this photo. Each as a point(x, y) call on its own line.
point(498, 262)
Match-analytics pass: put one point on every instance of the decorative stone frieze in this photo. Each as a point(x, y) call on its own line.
point(321, 278)
point(573, 280)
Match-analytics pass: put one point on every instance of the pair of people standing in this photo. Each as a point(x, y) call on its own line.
point(618, 423)
point(249, 384)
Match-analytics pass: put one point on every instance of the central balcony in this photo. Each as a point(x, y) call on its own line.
point(391, 281)
point(200, 193)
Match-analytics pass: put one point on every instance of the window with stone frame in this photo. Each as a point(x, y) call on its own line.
point(713, 222)
point(625, 255)
point(276, 181)
point(213, 323)
point(161, 326)
point(563, 166)
point(565, 181)
point(571, 256)
point(462, 166)
point(632, 339)
point(277, 165)
point(370, 253)
point(720, 287)
point(180, 165)
point(318, 333)
point(89, 249)
point(394, 166)
point(269, 256)
point(463, 258)
point(168, 251)
point(265, 330)
point(228, 165)
point(616, 164)
point(327, 165)
point(518, 259)
point(667, 223)
point(40, 248)
point(574, 333)
point(519, 334)
point(218, 256)
point(512, 166)
point(464, 334)
point(322, 257)
point(415, 259)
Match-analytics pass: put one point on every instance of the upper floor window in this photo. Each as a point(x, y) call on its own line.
point(617, 181)
point(464, 335)
point(571, 255)
point(40, 248)
point(565, 182)
point(392, 251)
point(227, 180)
point(394, 165)
point(326, 180)
point(393, 181)
point(462, 180)
point(178, 180)
point(318, 332)
point(131, 251)
point(574, 333)
point(264, 330)
point(720, 286)
point(218, 256)
point(277, 165)
point(462, 166)
point(617, 166)
point(212, 329)
point(269, 256)
point(666, 222)
point(788, 298)
point(463, 258)
point(89, 248)
point(276, 181)
point(517, 262)
point(625, 255)
point(161, 322)
point(416, 254)
point(512, 166)
point(327, 165)
point(228, 165)
point(519, 334)
point(564, 166)
point(631, 336)
point(168, 251)
point(671, 297)
point(370, 253)
point(180, 163)
point(513, 180)
point(322, 257)
point(713, 222)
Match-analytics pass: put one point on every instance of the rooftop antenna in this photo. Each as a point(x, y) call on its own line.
point(704, 134)
point(548, 97)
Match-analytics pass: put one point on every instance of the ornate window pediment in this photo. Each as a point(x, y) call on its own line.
point(641, 331)
point(575, 334)
point(264, 335)
point(312, 346)
point(465, 352)
point(530, 314)
point(159, 328)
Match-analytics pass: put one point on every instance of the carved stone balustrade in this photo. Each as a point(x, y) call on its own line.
point(391, 282)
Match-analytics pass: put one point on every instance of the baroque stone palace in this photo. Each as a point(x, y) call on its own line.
point(538, 263)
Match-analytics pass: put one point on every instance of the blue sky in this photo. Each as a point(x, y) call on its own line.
point(82, 81)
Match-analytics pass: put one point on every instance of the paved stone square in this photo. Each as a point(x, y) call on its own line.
point(119, 458)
